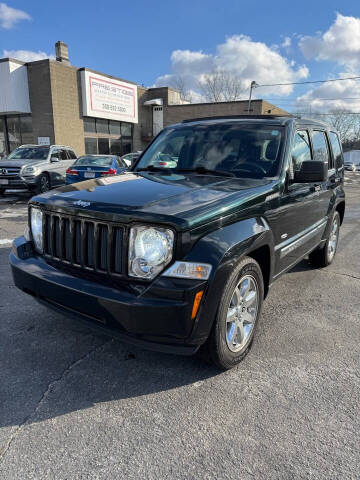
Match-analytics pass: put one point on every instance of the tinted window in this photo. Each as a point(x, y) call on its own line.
point(63, 155)
point(114, 128)
point(89, 160)
point(71, 154)
point(89, 125)
point(251, 151)
point(301, 151)
point(102, 126)
point(91, 145)
point(103, 146)
point(126, 129)
point(115, 147)
point(336, 149)
point(321, 153)
point(31, 153)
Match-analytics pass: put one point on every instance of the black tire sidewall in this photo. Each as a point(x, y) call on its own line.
point(221, 353)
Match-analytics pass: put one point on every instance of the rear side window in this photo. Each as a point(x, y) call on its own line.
point(71, 155)
point(336, 149)
point(121, 162)
point(320, 148)
point(63, 155)
point(301, 151)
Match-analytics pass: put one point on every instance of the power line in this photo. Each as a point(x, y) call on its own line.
point(307, 82)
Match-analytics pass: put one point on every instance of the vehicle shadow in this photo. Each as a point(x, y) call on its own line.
point(52, 366)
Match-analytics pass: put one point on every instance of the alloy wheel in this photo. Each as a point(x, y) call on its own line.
point(242, 313)
point(333, 238)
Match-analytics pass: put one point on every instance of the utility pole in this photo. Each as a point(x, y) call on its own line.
point(252, 85)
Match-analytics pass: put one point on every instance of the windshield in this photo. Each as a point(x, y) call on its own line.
point(89, 160)
point(251, 151)
point(29, 153)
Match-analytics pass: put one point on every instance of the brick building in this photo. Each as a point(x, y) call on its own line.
point(51, 101)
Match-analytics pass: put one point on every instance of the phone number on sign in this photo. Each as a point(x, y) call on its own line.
point(113, 108)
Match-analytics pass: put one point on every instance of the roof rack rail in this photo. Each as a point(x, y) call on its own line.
point(240, 116)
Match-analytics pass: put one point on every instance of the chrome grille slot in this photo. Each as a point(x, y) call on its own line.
point(84, 243)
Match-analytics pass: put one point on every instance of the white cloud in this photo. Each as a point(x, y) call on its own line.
point(343, 95)
point(340, 43)
point(242, 57)
point(26, 55)
point(286, 42)
point(9, 16)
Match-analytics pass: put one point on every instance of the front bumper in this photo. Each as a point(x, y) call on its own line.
point(159, 318)
point(15, 182)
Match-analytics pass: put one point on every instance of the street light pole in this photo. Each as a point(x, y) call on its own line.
point(252, 85)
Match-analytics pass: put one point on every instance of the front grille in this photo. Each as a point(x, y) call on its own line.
point(9, 171)
point(85, 243)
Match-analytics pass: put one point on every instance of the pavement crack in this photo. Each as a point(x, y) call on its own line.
point(341, 274)
point(44, 396)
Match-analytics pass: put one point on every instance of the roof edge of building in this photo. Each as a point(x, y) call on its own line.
point(215, 103)
point(85, 69)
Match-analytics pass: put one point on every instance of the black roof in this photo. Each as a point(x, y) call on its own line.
point(267, 119)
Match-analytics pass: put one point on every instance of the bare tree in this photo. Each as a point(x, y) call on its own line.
point(221, 86)
point(345, 122)
point(179, 83)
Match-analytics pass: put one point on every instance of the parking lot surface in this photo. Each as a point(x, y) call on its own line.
point(74, 404)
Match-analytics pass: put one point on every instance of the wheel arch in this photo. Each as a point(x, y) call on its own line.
point(340, 207)
point(223, 249)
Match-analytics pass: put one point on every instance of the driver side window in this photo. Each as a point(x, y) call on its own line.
point(300, 152)
point(55, 153)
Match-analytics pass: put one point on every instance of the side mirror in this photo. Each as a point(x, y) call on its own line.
point(311, 172)
point(54, 159)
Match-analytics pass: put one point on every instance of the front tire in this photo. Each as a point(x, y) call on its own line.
point(322, 257)
point(44, 183)
point(239, 310)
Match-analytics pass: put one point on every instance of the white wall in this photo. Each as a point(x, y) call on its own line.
point(14, 90)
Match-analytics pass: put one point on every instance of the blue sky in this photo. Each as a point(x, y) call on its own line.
point(258, 40)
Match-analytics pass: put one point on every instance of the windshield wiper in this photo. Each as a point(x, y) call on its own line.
point(204, 171)
point(151, 168)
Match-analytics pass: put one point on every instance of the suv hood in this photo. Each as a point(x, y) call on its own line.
point(20, 163)
point(183, 201)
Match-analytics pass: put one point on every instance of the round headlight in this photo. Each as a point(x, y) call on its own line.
point(36, 217)
point(150, 250)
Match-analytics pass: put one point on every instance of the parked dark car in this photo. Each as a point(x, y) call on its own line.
point(180, 259)
point(36, 168)
point(94, 166)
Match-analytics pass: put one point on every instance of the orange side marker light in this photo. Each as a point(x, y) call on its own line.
point(196, 305)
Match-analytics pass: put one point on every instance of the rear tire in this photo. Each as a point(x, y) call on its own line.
point(322, 257)
point(238, 313)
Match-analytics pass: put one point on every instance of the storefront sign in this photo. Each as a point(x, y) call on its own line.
point(105, 97)
point(43, 140)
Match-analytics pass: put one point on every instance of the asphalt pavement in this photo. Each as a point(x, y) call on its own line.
point(76, 405)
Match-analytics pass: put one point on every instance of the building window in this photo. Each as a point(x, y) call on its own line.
point(91, 145)
point(126, 129)
point(102, 126)
point(103, 146)
point(89, 125)
point(115, 147)
point(107, 136)
point(114, 128)
point(2, 138)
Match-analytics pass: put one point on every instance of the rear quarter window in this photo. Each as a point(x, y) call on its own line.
point(336, 149)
